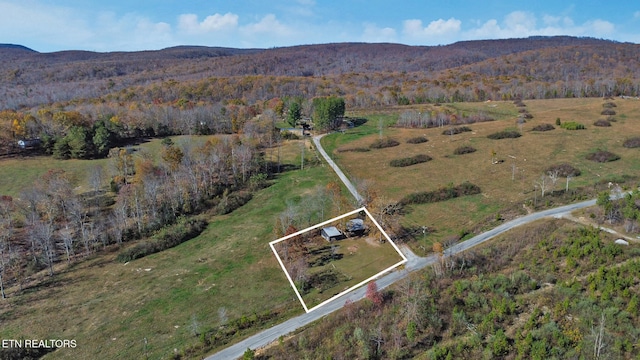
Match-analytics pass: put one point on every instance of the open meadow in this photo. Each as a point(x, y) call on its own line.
point(191, 299)
point(506, 170)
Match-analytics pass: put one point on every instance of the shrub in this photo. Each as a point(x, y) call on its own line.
point(230, 202)
point(633, 142)
point(609, 105)
point(456, 130)
point(417, 140)
point(527, 116)
point(543, 127)
point(608, 112)
point(602, 156)
point(170, 236)
point(572, 125)
point(506, 134)
point(442, 194)
point(464, 150)
point(384, 143)
point(288, 135)
point(564, 170)
point(602, 123)
point(408, 161)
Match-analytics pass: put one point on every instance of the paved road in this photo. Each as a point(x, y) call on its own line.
point(414, 263)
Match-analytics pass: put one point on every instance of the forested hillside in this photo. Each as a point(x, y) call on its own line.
point(372, 74)
point(548, 291)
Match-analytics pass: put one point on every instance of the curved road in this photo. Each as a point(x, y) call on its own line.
point(270, 335)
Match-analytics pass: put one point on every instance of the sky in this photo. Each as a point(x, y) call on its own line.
point(132, 25)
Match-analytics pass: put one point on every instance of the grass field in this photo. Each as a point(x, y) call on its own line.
point(110, 308)
point(507, 184)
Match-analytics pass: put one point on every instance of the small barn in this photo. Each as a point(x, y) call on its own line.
point(331, 233)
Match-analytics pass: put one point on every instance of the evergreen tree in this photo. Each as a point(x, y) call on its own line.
point(294, 114)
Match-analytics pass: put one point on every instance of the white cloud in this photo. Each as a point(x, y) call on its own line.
point(552, 21)
point(269, 24)
point(600, 27)
point(438, 31)
point(524, 24)
point(520, 22)
point(212, 23)
point(414, 28)
point(373, 33)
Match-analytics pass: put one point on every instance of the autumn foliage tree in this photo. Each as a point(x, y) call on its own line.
point(373, 294)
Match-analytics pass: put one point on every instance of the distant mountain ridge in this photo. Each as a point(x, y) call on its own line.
point(15, 47)
point(482, 48)
point(29, 78)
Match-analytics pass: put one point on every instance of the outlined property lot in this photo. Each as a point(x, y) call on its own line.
point(327, 260)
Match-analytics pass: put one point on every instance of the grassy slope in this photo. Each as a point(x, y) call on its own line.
point(533, 153)
point(16, 173)
point(110, 308)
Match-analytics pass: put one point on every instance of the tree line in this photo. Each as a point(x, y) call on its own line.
point(49, 222)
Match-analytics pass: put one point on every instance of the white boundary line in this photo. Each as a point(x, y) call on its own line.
point(404, 259)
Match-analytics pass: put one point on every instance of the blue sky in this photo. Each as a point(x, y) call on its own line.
point(130, 25)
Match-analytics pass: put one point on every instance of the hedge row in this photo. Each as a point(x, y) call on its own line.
point(543, 127)
point(456, 130)
point(602, 123)
point(408, 161)
point(506, 134)
point(464, 150)
point(170, 236)
point(564, 170)
point(572, 125)
point(442, 194)
point(232, 201)
point(602, 156)
point(633, 142)
point(384, 143)
point(417, 140)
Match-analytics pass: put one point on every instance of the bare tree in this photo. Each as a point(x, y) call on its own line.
point(569, 178)
point(42, 232)
point(6, 232)
point(95, 178)
point(543, 184)
point(553, 176)
point(598, 339)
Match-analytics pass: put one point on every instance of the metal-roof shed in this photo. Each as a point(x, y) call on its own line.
point(331, 233)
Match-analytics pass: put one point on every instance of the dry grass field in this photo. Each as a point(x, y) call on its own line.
point(522, 161)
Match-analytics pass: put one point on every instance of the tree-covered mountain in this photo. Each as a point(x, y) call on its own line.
point(32, 78)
